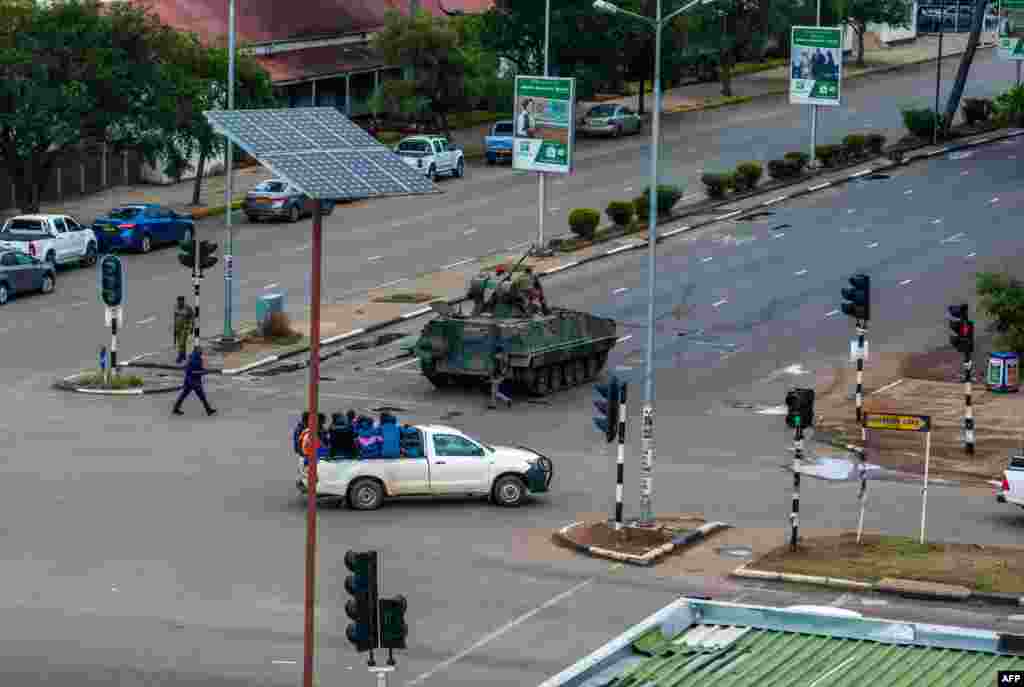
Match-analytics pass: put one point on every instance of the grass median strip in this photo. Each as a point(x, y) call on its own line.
point(978, 567)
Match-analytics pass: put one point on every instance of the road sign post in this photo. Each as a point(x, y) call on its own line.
point(112, 290)
point(904, 422)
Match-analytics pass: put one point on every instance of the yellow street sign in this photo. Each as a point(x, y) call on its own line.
point(898, 421)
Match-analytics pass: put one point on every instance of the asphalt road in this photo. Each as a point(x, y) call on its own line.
point(493, 209)
point(145, 549)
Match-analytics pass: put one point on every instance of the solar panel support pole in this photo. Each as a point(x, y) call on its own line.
point(308, 642)
point(229, 252)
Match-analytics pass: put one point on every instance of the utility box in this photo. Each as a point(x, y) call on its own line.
point(1003, 374)
point(266, 306)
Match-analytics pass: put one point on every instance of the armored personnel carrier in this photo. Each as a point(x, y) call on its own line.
point(511, 334)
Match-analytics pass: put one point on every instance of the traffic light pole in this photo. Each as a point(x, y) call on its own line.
point(113, 343)
point(620, 461)
point(968, 408)
point(314, 390)
point(862, 496)
point(861, 332)
point(798, 455)
point(197, 276)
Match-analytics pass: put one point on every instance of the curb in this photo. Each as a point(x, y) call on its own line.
point(561, 536)
point(68, 385)
point(642, 242)
point(895, 587)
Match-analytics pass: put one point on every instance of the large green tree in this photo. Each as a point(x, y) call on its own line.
point(858, 13)
point(1001, 297)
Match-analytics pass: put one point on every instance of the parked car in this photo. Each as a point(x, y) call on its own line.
point(610, 120)
point(498, 145)
point(445, 463)
point(432, 155)
point(56, 239)
point(20, 273)
point(1011, 490)
point(277, 199)
point(141, 227)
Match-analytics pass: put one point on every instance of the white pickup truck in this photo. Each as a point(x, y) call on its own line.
point(1012, 488)
point(447, 463)
point(432, 156)
point(56, 239)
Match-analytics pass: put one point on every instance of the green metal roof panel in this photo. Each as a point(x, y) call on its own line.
point(726, 656)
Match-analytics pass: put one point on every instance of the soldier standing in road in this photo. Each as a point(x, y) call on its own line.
point(184, 318)
point(194, 373)
point(498, 379)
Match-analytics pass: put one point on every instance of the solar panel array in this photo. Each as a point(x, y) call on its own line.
point(320, 151)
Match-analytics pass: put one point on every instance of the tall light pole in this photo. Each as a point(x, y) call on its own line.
point(814, 108)
point(541, 176)
point(228, 339)
point(647, 413)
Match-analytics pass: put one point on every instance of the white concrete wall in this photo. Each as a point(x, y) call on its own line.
point(155, 174)
point(886, 34)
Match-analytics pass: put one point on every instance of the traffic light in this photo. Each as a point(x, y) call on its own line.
point(859, 297)
point(187, 253)
point(393, 628)
point(206, 257)
point(608, 420)
point(111, 280)
point(362, 607)
point(963, 329)
point(800, 408)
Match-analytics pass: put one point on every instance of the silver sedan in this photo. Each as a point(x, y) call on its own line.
point(610, 120)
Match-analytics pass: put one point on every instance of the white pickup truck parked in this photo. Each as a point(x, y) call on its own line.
point(1012, 489)
point(432, 155)
point(447, 463)
point(56, 239)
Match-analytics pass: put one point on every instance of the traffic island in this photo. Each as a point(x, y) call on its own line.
point(136, 383)
point(632, 543)
point(897, 565)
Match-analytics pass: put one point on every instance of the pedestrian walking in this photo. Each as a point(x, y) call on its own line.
point(498, 379)
point(184, 318)
point(194, 373)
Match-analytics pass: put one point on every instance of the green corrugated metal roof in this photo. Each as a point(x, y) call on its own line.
point(722, 656)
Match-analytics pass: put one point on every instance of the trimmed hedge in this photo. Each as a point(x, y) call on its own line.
point(747, 175)
point(584, 221)
point(855, 144)
point(875, 143)
point(830, 155)
point(921, 122)
point(717, 185)
point(977, 110)
point(783, 169)
point(668, 196)
point(620, 212)
point(799, 159)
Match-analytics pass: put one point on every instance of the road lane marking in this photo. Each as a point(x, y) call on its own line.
point(779, 235)
point(621, 339)
point(486, 639)
point(830, 313)
point(861, 173)
point(994, 200)
point(517, 246)
point(620, 290)
point(707, 259)
point(820, 186)
point(401, 364)
point(456, 264)
point(416, 313)
point(937, 221)
point(800, 273)
point(971, 255)
point(775, 200)
point(390, 283)
point(887, 386)
point(375, 258)
point(676, 230)
point(873, 244)
point(346, 335)
point(908, 191)
point(282, 662)
point(273, 285)
point(151, 318)
point(905, 282)
point(629, 188)
point(850, 211)
point(728, 215)
point(619, 249)
point(964, 173)
point(301, 248)
point(79, 304)
point(720, 303)
point(469, 231)
point(953, 239)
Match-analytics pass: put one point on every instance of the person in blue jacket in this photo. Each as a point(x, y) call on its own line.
point(194, 373)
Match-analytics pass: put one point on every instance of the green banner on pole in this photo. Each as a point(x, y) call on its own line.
point(1011, 29)
point(545, 119)
point(816, 65)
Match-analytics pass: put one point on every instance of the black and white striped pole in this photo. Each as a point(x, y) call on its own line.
point(862, 496)
point(968, 408)
point(798, 456)
point(858, 306)
point(861, 333)
point(963, 341)
point(620, 459)
point(197, 276)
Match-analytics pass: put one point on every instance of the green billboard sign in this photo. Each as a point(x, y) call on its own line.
point(1011, 29)
point(816, 65)
point(545, 121)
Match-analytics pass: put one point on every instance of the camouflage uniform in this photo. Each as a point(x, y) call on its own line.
point(498, 378)
point(184, 318)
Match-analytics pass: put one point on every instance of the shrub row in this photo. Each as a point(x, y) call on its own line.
point(853, 147)
point(583, 221)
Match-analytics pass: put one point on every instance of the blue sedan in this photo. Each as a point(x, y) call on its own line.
point(141, 227)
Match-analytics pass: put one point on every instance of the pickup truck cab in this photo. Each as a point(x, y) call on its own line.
point(432, 155)
point(56, 239)
point(447, 463)
point(498, 144)
point(1012, 488)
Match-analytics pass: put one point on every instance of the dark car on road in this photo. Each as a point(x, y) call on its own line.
point(20, 273)
point(141, 227)
point(277, 199)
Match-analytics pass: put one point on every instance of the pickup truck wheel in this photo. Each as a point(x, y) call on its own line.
point(460, 169)
point(90, 255)
point(432, 173)
point(5, 294)
point(293, 215)
point(509, 491)
point(51, 259)
point(147, 244)
point(365, 494)
point(617, 132)
point(48, 284)
point(491, 161)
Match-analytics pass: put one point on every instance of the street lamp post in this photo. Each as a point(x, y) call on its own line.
point(647, 413)
point(228, 339)
point(541, 202)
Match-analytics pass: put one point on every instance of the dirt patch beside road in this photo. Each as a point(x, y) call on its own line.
point(977, 567)
point(930, 386)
